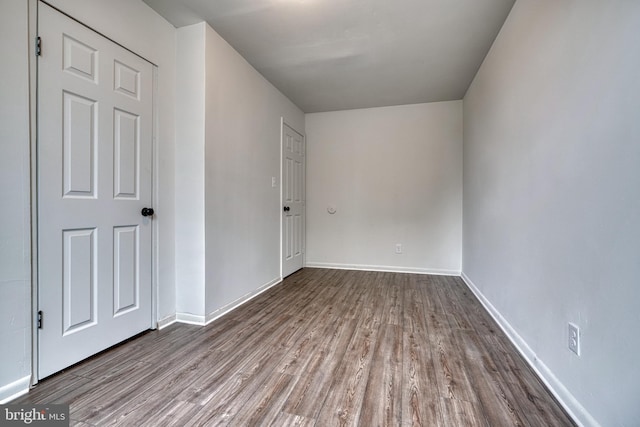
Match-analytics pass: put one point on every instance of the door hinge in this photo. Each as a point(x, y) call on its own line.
point(38, 46)
point(40, 319)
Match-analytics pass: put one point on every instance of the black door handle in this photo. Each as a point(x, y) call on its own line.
point(287, 208)
point(147, 211)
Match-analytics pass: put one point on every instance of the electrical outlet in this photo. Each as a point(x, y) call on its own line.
point(399, 248)
point(574, 338)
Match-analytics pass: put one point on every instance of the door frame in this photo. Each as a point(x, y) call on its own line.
point(33, 31)
point(284, 123)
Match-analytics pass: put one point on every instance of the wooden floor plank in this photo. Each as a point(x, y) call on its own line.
point(312, 387)
point(323, 348)
point(57, 389)
point(342, 405)
point(451, 373)
point(289, 420)
point(389, 290)
point(420, 397)
point(429, 286)
point(456, 412)
point(236, 373)
point(161, 395)
point(382, 402)
point(494, 395)
point(167, 416)
point(262, 409)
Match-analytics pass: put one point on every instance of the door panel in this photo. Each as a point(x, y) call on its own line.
point(79, 145)
point(293, 201)
point(79, 59)
point(78, 280)
point(126, 145)
point(126, 286)
point(94, 178)
point(127, 80)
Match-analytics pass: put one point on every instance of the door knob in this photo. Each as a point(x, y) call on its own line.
point(147, 211)
point(287, 208)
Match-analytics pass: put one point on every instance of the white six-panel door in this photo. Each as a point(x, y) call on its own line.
point(293, 200)
point(94, 178)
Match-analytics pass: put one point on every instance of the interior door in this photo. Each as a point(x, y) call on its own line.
point(293, 200)
point(94, 179)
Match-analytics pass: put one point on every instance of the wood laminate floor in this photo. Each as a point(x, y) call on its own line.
point(324, 348)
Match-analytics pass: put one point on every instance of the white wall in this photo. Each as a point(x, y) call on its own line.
point(136, 26)
point(15, 246)
point(551, 196)
point(190, 164)
point(243, 115)
point(228, 229)
point(394, 175)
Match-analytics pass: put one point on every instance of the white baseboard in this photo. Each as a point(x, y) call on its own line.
point(570, 404)
point(245, 298)
point(194, 319)
point(14, 390)
point(386, 268)
point(169, 320)
point(191, 319)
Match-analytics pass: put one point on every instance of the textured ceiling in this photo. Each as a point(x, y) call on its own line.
point(330, 55)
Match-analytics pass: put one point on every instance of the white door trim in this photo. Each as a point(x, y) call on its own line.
point(33, 178)
point(282, 123)
point(33, 31)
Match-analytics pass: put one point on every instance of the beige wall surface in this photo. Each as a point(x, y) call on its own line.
point(551, 205)
point(394, 176)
